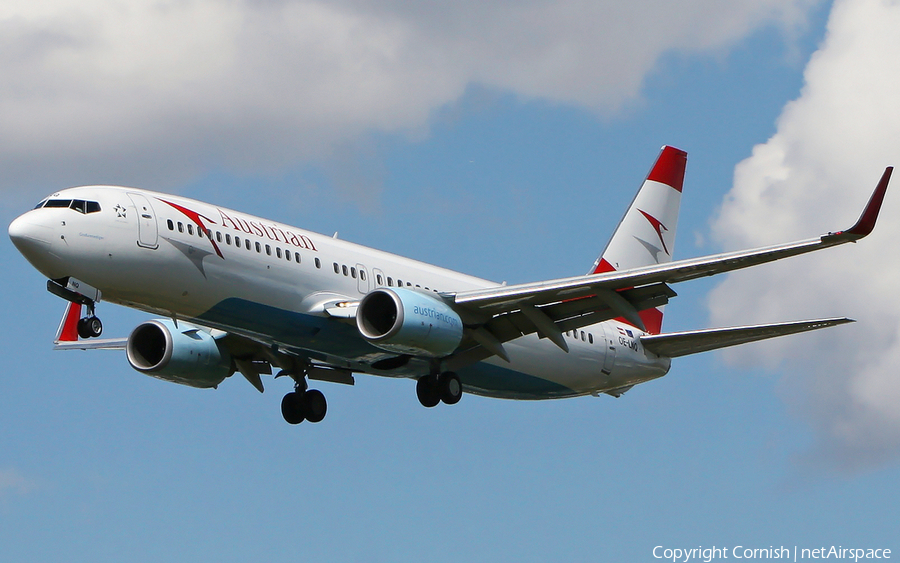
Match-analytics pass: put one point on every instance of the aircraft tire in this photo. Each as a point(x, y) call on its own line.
point(449, 388)
point(83, 328)
point(314, 405)
point(427, 392)
point(94, 326)
point(292, 408)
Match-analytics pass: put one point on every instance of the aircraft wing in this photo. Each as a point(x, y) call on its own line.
point(625, 293)
point(677, 344)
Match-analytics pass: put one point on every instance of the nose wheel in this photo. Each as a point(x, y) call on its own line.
point(89, 327)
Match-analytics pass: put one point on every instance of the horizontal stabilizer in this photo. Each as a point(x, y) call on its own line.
point(675, 344)
point(104, 344)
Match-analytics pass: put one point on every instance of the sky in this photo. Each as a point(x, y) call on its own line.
point(505, 140)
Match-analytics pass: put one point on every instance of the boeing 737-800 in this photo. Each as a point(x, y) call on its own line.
point(237, 293)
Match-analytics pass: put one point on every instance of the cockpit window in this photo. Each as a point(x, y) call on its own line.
point(41, 204)
point(58, 203)
point(78, 205)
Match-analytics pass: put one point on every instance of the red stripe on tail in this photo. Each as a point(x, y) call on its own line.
point(669, 168)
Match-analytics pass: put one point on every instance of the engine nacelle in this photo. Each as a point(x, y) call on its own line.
point(186, 354)
point(409, 322)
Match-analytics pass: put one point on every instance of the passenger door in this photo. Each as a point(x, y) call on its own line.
point(148, 233)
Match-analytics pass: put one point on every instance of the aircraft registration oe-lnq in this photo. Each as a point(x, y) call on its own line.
point(242, 293)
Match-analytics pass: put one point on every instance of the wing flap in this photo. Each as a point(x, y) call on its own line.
point(675, 344)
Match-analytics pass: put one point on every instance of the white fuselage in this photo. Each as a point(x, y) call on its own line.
point(270, 282)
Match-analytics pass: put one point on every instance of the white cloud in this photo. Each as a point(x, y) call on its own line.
point(814, 175)
point(154, 89)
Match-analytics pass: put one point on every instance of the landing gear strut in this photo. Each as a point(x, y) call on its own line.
point(433, 389)
point(303, 404)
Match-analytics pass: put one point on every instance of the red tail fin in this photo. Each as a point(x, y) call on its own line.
point(646, 234)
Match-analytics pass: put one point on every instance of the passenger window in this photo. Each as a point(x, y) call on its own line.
point(353, 272)
point(247, 243)
point(362, 275)
point(344, 269)
point(228, 239)
point(278, 251)
point(180, 227)
point(170, 224)
point(268, 250)
point(582, 336)
point(190, 229)
point(218, 235)
point(390, 282)
point(258, 248)
point(399, 282)
point(590, 338)
point(297, 257)
point(337, 269)
point(379, 279)
point(318, 263)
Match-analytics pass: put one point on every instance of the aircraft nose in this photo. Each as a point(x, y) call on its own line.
point(35, 242)
point(28, 235)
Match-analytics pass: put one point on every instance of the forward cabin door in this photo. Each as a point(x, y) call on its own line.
point(148, 233)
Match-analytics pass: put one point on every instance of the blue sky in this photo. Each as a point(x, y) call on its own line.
point(500, 175)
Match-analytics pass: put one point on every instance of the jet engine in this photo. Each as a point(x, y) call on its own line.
point(409, 322)
point(183, 354)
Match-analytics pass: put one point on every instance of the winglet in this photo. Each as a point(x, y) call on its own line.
point(866, 221)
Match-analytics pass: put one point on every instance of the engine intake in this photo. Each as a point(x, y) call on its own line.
point(185, 355)
point(409, 322)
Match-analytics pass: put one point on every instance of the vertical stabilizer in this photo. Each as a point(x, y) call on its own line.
point(646, 234)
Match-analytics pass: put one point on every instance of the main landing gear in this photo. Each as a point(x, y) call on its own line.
point(432, 389)
point(303, 404)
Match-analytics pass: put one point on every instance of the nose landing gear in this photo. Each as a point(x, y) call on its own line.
point(89, 327)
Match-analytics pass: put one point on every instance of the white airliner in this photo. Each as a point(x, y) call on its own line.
point(242, 293)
